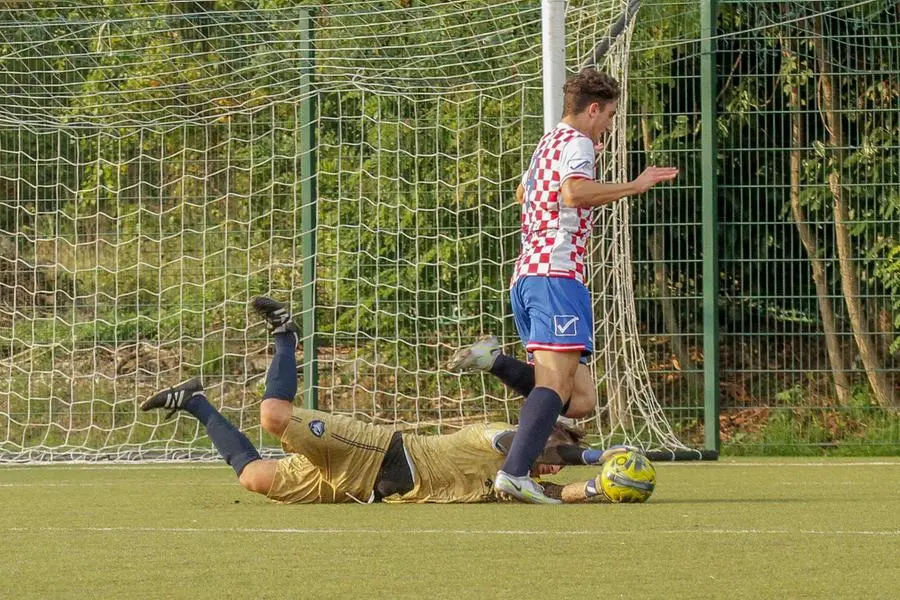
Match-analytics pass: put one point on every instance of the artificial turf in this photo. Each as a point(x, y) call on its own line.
point(740, 528)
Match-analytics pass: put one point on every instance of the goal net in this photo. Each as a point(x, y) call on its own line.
point(164, 162)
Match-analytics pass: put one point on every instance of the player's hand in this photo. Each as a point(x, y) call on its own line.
point(653, 175)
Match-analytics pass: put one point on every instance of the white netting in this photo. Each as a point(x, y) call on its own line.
point(631, 411)
point(152, 166)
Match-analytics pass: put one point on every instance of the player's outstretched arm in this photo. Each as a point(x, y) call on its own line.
point(585, 193)
point(564, 447)
point(575, 454)
point(575, 493)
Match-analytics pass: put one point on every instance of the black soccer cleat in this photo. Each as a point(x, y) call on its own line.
point(276, 315)
point(174, 398)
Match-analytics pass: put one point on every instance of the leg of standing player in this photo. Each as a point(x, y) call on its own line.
point(554, 378)
point(554, 319)
point(485, 355)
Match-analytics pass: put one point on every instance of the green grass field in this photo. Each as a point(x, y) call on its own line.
point(748, 528)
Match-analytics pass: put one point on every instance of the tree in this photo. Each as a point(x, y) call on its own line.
point(796, 76)
point(831, 111)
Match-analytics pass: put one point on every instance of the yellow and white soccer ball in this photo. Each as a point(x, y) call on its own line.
point(627, 477)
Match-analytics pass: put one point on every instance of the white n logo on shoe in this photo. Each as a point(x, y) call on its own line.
point(174, 400)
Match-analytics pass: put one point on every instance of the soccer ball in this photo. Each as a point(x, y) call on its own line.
point(627, 477)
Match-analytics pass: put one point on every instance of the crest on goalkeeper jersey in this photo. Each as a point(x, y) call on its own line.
point(317, 428)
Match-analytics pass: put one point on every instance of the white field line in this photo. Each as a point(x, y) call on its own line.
point(236, 485)
point(113, 466)
point(825, 463)
point(462, 532)
point(149, 466)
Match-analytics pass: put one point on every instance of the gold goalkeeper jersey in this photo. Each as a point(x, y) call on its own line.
point(459, 467)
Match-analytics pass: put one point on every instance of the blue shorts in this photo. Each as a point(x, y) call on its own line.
point(553, 313)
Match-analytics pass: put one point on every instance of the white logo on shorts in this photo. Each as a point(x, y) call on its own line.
point(565, 325)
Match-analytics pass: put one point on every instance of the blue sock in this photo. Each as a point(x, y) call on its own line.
point(591, 456)
point(536, 420)
point(281, 379)
point(235, 448)
point(514, 373)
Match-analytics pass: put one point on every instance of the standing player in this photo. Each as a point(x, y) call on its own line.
point(336, 459)
point(550, 301)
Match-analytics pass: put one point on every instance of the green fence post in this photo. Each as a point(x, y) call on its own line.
point(308, 212)
point(710, 226)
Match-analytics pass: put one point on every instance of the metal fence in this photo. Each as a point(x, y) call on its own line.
point(807, 191)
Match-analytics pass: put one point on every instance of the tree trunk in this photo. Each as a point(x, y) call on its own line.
point(831, 105)
point(661, 278)
point(811, 245)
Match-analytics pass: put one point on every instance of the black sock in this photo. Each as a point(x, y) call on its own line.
point(516, 374)
point(572, 454)
point(235, 448)
point(281, 378)
point(536, 421)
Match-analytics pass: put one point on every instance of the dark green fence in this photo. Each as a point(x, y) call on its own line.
point(807, 181)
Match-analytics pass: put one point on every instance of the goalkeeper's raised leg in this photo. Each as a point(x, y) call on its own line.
point(281, 378)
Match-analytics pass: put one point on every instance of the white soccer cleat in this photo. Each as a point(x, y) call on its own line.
point(523, 489)
point(480, 355)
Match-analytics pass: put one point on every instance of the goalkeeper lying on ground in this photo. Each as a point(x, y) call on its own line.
point(335, 459)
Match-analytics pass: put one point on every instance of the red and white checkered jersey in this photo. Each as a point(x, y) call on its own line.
point(554, 236)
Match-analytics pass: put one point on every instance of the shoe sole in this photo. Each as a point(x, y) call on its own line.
point(459, 358)
point(274, 306)
point(456, 361)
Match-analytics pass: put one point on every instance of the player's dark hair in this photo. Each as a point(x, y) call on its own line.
point(588, 87)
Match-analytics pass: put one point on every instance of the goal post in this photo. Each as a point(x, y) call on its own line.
point(553, 53)
point(163, 167)
point(310, 364)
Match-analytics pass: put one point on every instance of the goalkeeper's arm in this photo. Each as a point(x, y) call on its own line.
point(563, 447)
point(575, 493)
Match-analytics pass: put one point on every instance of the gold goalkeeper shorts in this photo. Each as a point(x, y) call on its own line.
point(334, 459)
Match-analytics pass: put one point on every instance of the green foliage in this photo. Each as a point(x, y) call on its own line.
point(889, 273)
point(157, 184)
point(860, 430)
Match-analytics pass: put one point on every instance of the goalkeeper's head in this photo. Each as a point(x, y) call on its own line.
point(564, 433)
point(590, 100)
